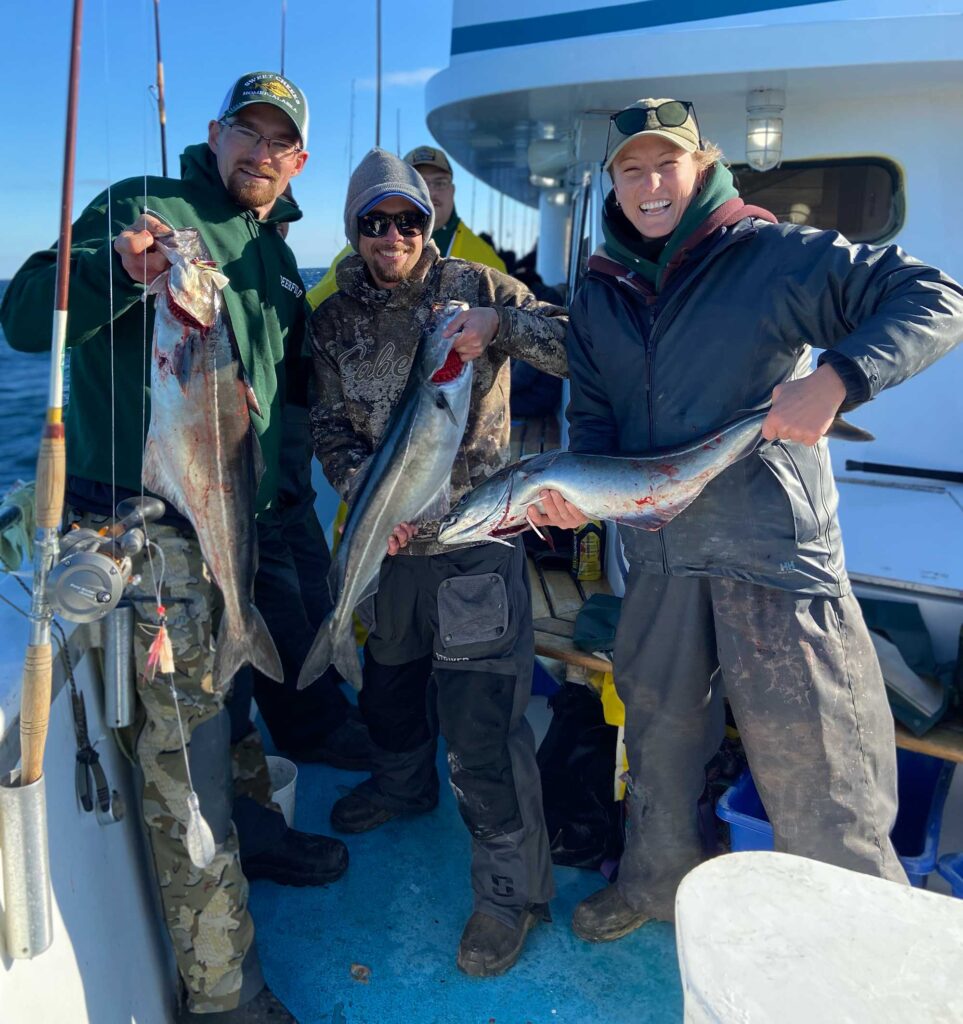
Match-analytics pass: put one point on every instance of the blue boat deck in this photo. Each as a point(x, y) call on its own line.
point(399, 912)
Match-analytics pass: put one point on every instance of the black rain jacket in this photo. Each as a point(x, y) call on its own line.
point(739, 316)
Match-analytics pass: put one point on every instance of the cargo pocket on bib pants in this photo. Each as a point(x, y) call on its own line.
point(476, 625)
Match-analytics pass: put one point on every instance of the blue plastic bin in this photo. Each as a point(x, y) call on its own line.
point(951, 868)
point(923, 784)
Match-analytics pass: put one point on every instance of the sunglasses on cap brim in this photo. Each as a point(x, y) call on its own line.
point(409, 223)
point(671, 114)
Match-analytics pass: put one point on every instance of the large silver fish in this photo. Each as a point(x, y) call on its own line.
point(644, 491)
point(407, 477)
point(202, 452)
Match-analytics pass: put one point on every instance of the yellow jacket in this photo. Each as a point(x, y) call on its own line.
point(465, 245)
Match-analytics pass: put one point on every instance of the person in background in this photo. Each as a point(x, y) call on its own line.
point(697, 309)
point(229, 191)
point(534, 394)
point(452, 646)
point(451, 234)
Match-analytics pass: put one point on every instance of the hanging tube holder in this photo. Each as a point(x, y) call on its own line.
point(119, 690)
point(27, 916)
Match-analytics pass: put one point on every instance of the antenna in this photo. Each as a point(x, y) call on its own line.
point(351, 130)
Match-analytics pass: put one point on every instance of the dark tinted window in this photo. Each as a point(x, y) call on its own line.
point(862, 198)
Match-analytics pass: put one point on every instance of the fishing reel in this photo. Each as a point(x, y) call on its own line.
point(96, 565)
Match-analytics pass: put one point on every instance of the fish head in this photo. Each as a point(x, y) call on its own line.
point(193, 283)
point(486, 512)
point(438, 363)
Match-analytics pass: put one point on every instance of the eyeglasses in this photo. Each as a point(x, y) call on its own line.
point(438, 184)
point(671, 114)
point(409, 223)
point(280, 149)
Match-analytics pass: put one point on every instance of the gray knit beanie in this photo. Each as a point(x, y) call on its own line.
point(380, 175)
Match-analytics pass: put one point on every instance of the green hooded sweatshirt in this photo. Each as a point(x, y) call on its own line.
point(265, 301)
point(626, 245)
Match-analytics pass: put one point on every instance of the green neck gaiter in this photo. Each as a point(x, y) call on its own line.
point(442, 237)
point(626, 245)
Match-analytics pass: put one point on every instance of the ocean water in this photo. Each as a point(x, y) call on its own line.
point(23, 402)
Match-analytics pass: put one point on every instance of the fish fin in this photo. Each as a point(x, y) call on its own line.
point(252, 402)
point(156, 480)
point(654, 517)
point(246, 643)
point(437, 507)
point(443, 403)
point(257, 458)
point(843, 430)
point(370, 588)
point(329, 648)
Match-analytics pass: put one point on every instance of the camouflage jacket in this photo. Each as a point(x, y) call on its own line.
point(364, 340)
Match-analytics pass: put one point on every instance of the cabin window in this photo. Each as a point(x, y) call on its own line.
point(861, 197)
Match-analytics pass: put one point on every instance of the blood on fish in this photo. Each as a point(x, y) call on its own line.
point(647, 500)
point(667, 469)
point(508, 531)
point(450, 370)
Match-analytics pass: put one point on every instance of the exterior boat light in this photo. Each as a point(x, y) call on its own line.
point(548, 160)
point(764, 109)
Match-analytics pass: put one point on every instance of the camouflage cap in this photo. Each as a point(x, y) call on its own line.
point(430, 156)
point(684, 135)
point(273, 89)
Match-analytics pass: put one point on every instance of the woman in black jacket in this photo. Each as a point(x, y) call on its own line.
point(697, 309)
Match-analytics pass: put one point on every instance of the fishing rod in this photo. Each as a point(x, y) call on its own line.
point(51, 462)
point(161, 106)
point(377, 72)
point(284, 12)
point(28, 915)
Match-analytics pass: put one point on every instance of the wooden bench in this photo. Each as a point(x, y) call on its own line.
point(533, 436)
point(556, 601)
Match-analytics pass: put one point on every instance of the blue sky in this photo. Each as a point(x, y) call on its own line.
point(206, 45)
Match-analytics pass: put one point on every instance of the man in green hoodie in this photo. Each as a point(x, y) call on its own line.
point(231, 191)
point(696, 309)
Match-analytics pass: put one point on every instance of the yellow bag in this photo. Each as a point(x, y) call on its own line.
point(613, 710)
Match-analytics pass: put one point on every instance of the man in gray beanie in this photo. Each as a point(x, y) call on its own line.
point(433, 624)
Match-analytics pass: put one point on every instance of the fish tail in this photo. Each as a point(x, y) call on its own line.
point(843, 430)
point(332, 646)
point(250, 644)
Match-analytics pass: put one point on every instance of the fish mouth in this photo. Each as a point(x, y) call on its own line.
point(489, 526)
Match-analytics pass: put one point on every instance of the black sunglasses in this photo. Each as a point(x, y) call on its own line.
point(671, 114)
point(409, 223)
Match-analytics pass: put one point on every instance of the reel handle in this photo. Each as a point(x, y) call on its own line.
point(134, 512)
point(137, 511)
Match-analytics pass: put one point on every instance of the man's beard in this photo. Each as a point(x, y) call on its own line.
point(392, 273)
point(252, 193)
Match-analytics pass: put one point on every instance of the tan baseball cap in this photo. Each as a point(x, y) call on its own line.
point(650, 116)
point(428, 155)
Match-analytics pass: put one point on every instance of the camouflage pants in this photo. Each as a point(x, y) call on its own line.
point(205, 910)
